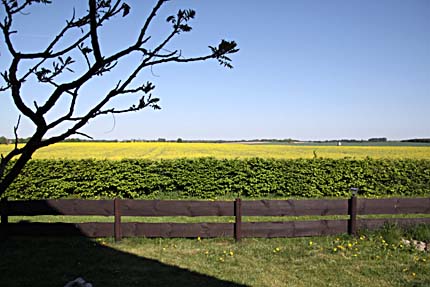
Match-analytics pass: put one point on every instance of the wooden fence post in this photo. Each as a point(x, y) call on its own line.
point(238, 221)
point(352, 211)
point(4, 218)
point(117, 224)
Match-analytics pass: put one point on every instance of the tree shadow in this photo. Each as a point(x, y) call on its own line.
point(54, 261)
point(53, 254)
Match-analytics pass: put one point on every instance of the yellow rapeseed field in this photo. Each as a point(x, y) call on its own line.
point(155, 150)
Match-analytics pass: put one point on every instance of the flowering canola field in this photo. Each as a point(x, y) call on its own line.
point(156, 150)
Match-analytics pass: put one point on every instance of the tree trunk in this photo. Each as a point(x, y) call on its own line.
point(19, 164)
point(14, 172)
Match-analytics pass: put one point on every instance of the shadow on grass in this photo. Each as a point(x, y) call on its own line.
point(48, 261)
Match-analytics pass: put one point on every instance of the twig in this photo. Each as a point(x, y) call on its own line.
point(15, 131)
point(85, 135)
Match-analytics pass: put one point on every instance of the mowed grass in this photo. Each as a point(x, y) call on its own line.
point(368, 260)
point(156, 151)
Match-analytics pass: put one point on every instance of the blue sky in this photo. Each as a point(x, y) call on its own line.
point(306, 69)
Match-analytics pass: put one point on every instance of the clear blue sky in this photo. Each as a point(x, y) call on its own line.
point(306, 69)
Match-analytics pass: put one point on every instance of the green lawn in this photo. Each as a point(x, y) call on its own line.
point(376, 259)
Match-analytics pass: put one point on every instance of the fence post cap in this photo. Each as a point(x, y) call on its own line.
point(354, 190)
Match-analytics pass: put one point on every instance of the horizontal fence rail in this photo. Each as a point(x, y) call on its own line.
point(394, 206)
point(294, 207)
point(238, 229)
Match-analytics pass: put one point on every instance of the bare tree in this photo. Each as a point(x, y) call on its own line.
point(59, 57)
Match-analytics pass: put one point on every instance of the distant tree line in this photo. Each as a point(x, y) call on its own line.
point(382, 139)
point(4, 140)
point(417, 140)
point(88, 140)
point(341, 140)
point(377, 139)
point(181, 140)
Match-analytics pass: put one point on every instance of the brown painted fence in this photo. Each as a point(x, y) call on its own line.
point(238, 208)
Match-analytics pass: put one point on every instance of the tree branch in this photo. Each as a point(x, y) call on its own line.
point(15, 132)
point(85, 135)
point(6, 28)
point(93, 30)
point(149, 20)
point(49, 55)
point(15, 91)
point(99, 12)
point(69, 115)
point(179, 60)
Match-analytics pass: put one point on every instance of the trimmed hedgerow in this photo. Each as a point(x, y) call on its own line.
point(209, 178)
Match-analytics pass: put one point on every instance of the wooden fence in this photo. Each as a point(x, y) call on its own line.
point(238, 229)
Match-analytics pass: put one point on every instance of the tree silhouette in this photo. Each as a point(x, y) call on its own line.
point(59, 57)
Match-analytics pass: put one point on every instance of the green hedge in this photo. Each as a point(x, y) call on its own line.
point(210, 178)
